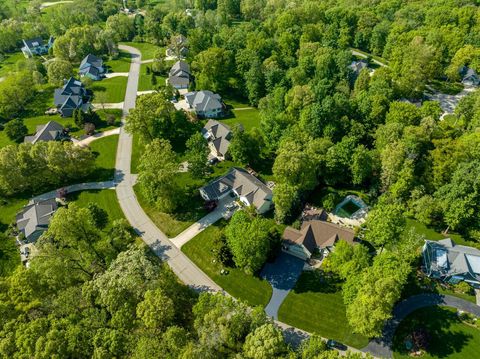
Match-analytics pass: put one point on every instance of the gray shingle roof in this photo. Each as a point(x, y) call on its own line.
point(243, 183)
point(32, 43)
point(179, 74)
point(51, 131)
point(91, 64)
point(70, 96)
point(218, 134)
point(36, 217)
point(203, 101)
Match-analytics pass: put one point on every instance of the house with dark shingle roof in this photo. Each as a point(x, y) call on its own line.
point(450, 262)
point(179, 75)
point(469, 76)
point(36, 46)
point(178, 47)
point(91, 67)
point(218, 136)
point(70, 97)
point(35, 217)
point(206, 104)
point(246, 187)
point(51, 131)
point(314, 235)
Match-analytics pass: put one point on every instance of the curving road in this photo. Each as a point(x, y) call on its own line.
point(382, 347)
point(183, 267)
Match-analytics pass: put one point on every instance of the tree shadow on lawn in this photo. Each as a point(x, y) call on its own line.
point(437, 321)
point(317, 282)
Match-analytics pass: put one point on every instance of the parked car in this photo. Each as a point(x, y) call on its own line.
point(212, 161)
point(333, 344)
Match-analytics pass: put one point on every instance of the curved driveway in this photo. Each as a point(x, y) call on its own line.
point(183, 267)
point(382, 347)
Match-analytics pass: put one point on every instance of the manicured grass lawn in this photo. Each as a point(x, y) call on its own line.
point(9, 256)
point(115, 88)
point(145, 80)
point(9, 206)
point(432, 234)
point(174, 223)
point(9, 63)
point(147, 50)
point(105, 199)
point(448, 336)
point(248, 118)
point(234, 102)
point(447, 87)
point(253, 290)
point(122, 64)
point(137, 150)
point(105, 149)
point(316, 305)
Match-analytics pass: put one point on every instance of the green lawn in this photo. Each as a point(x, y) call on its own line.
point(105, 150)
point(115, 88)
point(9, 256)
point(147, 50)
point(121, 64)
point(433, 235)
point(248, 118)
point(145, 80)
point(448, 336)
point(253, 290)
point(9, 63)
point(105, 199)
point(137, 150)
point(175, 223)
point(450, 88)
point(316, 305)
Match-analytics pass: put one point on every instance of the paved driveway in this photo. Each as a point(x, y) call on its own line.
point(282, 276)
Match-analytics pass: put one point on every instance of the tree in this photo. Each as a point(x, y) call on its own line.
point(384, 224)
point(212, 69)
point(250, 240)
point(15, 92)
point(287, 200)
point(264, 343)
point(121, 26)
point(312, 347)
point(78, 117)
point(89, 128)
point(157, 173)
point(99, 215)
point(347, 260)
point(16, 130)
point(58, 71)
point(244, 147)
point(153, 79)
point(157, 310)
point(197, 155)
point(362, 165)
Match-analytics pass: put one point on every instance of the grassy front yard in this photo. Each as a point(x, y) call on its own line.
point(253, 290)
point(9, 63)
point(448, 336)
point(105, 150)
point(147, 50)
point(145, 80)
point(248, 118)
point(114, 87)
point(316, 305)
point(122, 64)
point(433, 235)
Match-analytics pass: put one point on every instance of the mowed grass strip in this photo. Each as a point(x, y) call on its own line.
point(114, 87)
point(105, 199)
point(253, 290)
point(248, 118)
point(105, 150)
point(448, 336)
point(120, 64)
point(317, 307)
point(147, 50)
point(145, 80)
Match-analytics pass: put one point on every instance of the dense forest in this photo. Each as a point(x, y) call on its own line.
point(90, 292)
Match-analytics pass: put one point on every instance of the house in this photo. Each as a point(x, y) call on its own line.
point(36, 46)
point(314, 235)
point(451, 263)
point(205, 103)
point(179, 75)
point(218, 136)
point(358, 66)
point(52, 131)
point(91, 67)
point(469, 76)
point(246, 187)
point(34, 218)
point(70, 97)
point(178, 47)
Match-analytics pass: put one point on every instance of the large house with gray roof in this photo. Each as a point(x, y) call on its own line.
point(36, 46)
point(70, 97)
point(206, 104)
point(178, 47)
point(245, 186)
point(34, 218)
point(51, 131)
point(218, 136)
point(92, 67)
point(452, 263)
point(179, 75)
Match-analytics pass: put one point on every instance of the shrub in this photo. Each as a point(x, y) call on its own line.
point(463, 287)
point(16, 130)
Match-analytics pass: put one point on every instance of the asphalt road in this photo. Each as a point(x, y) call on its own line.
point(185, 269)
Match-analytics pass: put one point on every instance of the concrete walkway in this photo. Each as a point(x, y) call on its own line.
point(203, 223)
point(382, 347)
point(86, 141)
point(116, 74)
point(108, 106)
point(146, 61)
point(75, 188)
point(282, 276)
point(145, 92)
point(52, 3)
